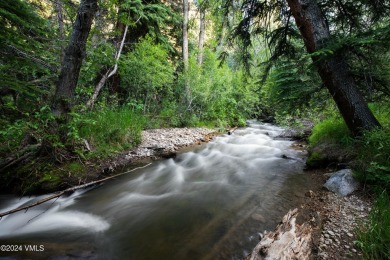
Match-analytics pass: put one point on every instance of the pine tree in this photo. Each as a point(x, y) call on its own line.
point(314, 31)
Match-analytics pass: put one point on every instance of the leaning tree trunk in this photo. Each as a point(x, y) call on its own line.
point(74, 54)
point(334, 70)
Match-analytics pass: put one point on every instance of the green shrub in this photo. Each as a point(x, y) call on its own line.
point(374, 159)
point(12, 135)
point(147, 74)
point(373, 238)
point(218, 93)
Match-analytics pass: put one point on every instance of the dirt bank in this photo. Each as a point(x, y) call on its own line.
point(334, 219)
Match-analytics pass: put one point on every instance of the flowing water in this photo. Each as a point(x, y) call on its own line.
point(209, 203)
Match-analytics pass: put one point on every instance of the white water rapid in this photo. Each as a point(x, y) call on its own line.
point(209, 203)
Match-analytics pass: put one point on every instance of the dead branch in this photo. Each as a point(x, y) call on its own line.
point(108, 74)
point(232, 130)
point(72, 189)
point(288, 241)
point(19, 156)
point(34, 59)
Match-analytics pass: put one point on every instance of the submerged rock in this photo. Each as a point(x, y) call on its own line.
point(342, 183)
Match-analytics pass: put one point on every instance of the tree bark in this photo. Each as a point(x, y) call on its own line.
point(74, 55)
point(61, 30)
point(202, 28)
point(187, 92)
point(334, 70)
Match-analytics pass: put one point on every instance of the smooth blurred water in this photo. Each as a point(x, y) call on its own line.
point(209, 203)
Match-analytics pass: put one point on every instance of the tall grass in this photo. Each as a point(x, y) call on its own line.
point(374, 152)
point(109, 131)
point(374, 238)
point(331, 130)
point(373, 163)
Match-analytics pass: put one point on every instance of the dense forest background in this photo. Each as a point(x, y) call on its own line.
point(79, 80)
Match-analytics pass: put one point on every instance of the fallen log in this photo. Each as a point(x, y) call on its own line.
point(60, 193)
point(288, 241)
point(232, 130)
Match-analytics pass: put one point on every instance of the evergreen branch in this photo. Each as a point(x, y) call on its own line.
point(33, 59)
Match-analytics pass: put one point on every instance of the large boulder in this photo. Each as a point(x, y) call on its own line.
point(342, 183)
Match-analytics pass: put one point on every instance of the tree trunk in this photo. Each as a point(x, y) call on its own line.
point(185, 35)
point(334, 70)
point(74, 54)
point(202, 28)
point(61, 30)
point(187, 92)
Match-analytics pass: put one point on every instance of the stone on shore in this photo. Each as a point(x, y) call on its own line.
point(342, 183)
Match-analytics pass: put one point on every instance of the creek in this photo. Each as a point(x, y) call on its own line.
point(208, 203)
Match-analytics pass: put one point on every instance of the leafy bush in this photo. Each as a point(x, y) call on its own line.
point(99, 56)
point(146, 74)
point(219, 94)
point(35, 125)
point(11, 135)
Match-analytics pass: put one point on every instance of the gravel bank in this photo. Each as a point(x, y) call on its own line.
point(164, 142)
point(343, 215)
point(155, 144)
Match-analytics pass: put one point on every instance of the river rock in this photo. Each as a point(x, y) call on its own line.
point(258, 217)
point(342, 183)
